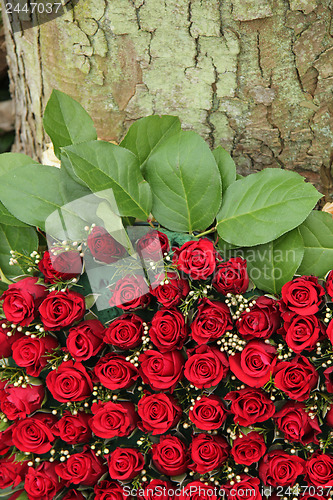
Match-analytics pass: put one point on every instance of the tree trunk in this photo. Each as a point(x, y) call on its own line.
point(252, 75)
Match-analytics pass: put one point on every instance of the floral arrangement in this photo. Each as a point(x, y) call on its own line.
point(166, 325)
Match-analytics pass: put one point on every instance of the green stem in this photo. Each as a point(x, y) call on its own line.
point(205, 232)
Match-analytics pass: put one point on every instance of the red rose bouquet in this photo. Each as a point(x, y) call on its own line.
point(167, 331)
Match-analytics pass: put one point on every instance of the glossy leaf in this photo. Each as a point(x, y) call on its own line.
point(21, 239)
point(226, 166)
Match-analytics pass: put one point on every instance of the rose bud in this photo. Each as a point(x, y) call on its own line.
point(170, 456)
point(21, 301)
point(73, 429)
point(196, 258)
point(109, 490)
point(162, 371)
point(294, 421)
point(319, 469)
point(34, 434)
point(231, 276)
point(130, 292)
point(85, 339)
point(6, 342)
point(6, 440)
point(248, 449)
point(62, 266)
point(261, 321)
point(209, 413)
point(213, 319)
point(197, 490)
point(172, 292)
point(208, 452)
point(296, 378)
point(158, 413)
point(113, 419)
point(250, 406)
point(125, 463)
point(153, 245)
point(62, 309)
point(206, 366)
point(303, 296)
point(11, 473)
point(159, 490)
point(103, 247)
point(278, 468)
point(42, 482)
point(125, 332)
point(114, 372)
point(31, 354)
point(70, 382)
point(81, 468)
point(329, 283)
point(19, 402)
point(247, 488)
point(301, 333)
point(168, 330)
point(254, 364)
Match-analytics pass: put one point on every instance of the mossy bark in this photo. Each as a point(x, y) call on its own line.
point(252, 75)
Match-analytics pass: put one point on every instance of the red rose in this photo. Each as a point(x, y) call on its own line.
point(206, 366)
point(109, 490)
point(34, 434)
point(329, 284)
point(294, 421)
point(114, 372)
point(208, 452)
point(153, 245)
point(6, 440)
point(130, 292)
point(197, 259)
point(158, 413)
point(261, 321)
point(168, 330)
point(328, 374)
point(248, 449)
point(296, 378)
point(19, 402)
point(159, 490)
point(170, 290)
point(103, 247)
point(60, 265)
point(81, 468)
point(31, 354)
point(209, 413)
point(21, 301)
point(329, 331)
point(161, 371)
point(70, 382)
point(125, 332)
point(211, 322)
point(7, 338)
point(231, 276)
point(301, 296)
point(61, 309)
point(125, 463)
point(197, 490)
point(73, 495)
point(319, 469)
point(113, 419)
point(170, 456)
point(250, 406)
point(73, 429)
point(247, 488)
point(278, 468)
point(11, 473)
point(254, 364)
point(302, 332)
point(42, 482)
point(329, 417)
point(85, 339)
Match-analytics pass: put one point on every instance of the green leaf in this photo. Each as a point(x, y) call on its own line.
point(21, 239)
point(272, 264)
point(317, 234)
point(7, 218)
point(104, 167)
point(185, 183)
point(33, 192)
point(147, 134)
point(226, 166)
point(67, 122)
point(263, 206)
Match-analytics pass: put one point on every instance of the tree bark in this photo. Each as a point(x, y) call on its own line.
point(252, 75)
